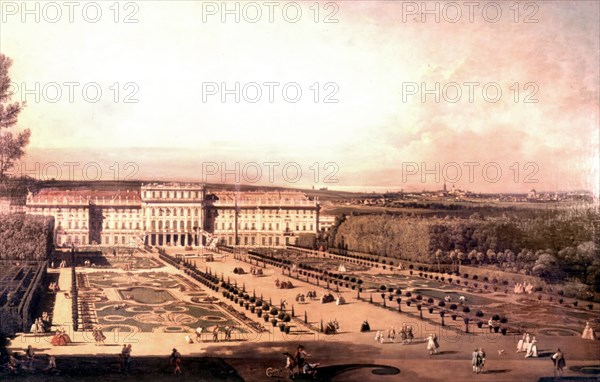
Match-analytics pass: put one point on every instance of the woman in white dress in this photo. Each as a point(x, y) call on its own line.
point(520, 347)
point(34, 328)
point(532, 349)
point(588, 332)
point(431, 345)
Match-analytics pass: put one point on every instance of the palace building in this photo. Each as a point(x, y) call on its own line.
point(260, 218)
point(175, 214)
point(90, 216)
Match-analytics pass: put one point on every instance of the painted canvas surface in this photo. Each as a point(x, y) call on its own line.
point(299, 190)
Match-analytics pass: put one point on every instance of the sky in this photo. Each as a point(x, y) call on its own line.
point(361, 95)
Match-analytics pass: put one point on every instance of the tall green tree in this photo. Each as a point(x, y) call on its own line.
point(12, 146)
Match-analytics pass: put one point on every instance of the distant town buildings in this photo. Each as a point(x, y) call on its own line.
point(455, 194)
point(174, 214)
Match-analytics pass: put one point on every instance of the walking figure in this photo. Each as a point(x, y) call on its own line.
point(432, 344)
point(216, 333)
point(392, 334)
point(176, 361)
point(558, 359)
point(199, 331)
point(51, 364)
point(480, 360)
point(127, 356)
point(228, 331)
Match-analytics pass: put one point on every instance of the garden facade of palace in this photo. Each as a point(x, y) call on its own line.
point(174, 214)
